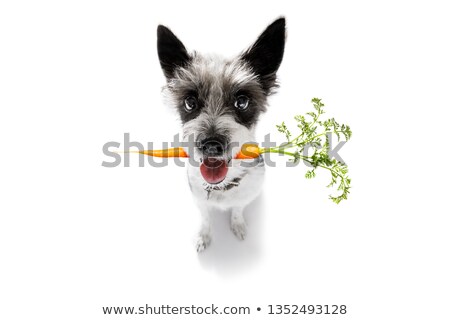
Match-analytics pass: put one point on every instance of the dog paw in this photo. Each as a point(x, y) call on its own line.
point(239, 229)
point(202, 242)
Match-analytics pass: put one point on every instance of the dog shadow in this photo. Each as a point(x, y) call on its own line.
point(227, 254)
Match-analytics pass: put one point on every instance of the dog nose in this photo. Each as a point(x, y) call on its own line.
point(212, 147)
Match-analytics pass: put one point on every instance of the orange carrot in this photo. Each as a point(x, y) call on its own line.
point(165, 153)
point(249, 151)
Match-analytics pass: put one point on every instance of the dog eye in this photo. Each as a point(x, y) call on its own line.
point(241, 102)
point(190, 103)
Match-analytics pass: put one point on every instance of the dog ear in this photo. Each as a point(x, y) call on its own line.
point(171, 51)
point(266, 54)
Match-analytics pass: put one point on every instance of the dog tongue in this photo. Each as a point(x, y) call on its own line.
point(213, 170)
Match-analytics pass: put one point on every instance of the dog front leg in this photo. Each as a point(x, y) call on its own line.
point(204, 235)
point(238, 225)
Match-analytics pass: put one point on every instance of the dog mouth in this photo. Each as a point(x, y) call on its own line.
point(214, 169)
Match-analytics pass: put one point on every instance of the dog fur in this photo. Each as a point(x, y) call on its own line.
point(222, 99)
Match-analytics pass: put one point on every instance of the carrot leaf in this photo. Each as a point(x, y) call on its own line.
point(312, 146)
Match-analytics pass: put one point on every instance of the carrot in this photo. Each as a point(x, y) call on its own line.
point(314, 134)
point(165, 153)
point(249, 151)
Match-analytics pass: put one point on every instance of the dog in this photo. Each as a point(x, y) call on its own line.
point(219, 102)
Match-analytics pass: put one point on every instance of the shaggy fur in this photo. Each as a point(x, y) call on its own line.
point(206, 90)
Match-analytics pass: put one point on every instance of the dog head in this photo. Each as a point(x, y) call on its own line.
point(219, 100)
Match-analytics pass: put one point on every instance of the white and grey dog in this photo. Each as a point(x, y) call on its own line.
point(219, 102)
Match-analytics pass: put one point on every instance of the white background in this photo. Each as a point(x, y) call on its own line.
point(75, 236)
